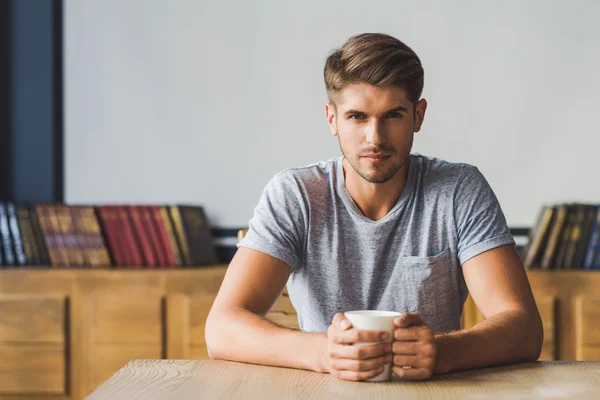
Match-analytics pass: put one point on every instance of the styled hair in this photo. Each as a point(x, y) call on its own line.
point(377, 59)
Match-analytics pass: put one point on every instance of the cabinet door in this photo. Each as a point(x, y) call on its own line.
point(587, 321)
point(33, 339)
point(115, 330)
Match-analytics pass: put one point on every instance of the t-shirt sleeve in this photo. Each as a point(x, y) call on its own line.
point(277, 225)
point(480, 222)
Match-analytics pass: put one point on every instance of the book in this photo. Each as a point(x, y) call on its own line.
point(7, 247)
point(588, 218)
point(563, 243)
point(197, 235)
point(178, 228)
point(558, 227)
point(142, 236)
point(38, 235)
point(152, 234)
point(107, 217)
point(539, 237)
point(69, 235)
point(131, 247)
point(29, 240)
point(52, 236)
point(593, 243)
point(15, 233)
point(89, 236)
point(171, 245)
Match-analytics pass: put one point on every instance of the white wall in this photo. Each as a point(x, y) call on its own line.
point(204, 101)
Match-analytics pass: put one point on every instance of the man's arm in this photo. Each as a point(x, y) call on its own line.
point(236, 329)
point(512, 329)
point(511, 332)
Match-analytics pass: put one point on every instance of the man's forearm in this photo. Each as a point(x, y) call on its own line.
point(506, 337)
point(246, 337)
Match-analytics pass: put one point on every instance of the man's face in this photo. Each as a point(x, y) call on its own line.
point(375, 127)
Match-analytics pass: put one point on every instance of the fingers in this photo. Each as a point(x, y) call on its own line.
point(360, 352)
point(347, 364)
point(359, 336)
point(341, 322)
point(407, 334)
point(414, 374)
point(356, 375)
point(408, 319)
point(414, 348)
point(411, 361)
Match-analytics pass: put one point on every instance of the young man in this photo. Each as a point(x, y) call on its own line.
point(379, 228)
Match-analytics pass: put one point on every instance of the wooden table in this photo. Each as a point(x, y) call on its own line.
point(180, 379)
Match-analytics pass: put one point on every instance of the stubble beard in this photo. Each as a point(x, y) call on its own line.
point(381, 176)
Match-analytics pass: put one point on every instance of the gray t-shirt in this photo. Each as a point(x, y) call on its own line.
point(408, 261)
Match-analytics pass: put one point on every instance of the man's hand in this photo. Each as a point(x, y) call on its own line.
point(355, 363)
point(415, 348)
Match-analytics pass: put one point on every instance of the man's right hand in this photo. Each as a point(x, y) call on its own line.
point(355, 363)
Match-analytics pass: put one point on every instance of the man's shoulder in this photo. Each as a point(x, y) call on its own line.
point(440, 170)
point(311, 176)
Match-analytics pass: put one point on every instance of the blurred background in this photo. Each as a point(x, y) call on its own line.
point(164, 103)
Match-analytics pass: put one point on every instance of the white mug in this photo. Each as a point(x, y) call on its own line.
point(374, 320)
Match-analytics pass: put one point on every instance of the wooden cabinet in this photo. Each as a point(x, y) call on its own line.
point(64, 332)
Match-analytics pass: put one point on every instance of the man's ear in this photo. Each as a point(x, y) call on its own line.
point(420, 109)
point(330, 114)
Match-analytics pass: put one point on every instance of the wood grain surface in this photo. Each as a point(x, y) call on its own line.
point(181, 379)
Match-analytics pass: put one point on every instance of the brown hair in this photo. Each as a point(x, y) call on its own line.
point(377, 59)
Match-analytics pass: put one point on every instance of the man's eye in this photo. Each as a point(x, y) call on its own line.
point(394, 115)
point(357, 116)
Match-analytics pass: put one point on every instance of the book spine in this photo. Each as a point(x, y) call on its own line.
point(59, 240)
point(132, 248)
point(107, 216)
point(40, 242)
point(9, 255)
point(538, 237)
point(557, 228)
point(593, 244)
point(199, 237)
point(180, 234)
point(161, 230)
point(29, 242)
point(80, 235)
point(143, 239)
point(16, 234)
point(574, 238)
point(70, 237)
point(157, 248)
point(168, 225)
point(96, 245)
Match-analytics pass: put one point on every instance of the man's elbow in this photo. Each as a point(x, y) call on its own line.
point(213, 337)
point(535, 333)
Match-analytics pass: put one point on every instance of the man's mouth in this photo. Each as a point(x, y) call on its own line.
point(377, 156)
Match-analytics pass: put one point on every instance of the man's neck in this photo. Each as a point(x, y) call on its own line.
point(375, 200)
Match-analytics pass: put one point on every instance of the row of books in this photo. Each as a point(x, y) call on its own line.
point(565, 236)
point(125, 236)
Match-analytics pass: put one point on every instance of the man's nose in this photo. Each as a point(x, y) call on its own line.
point(375, 133)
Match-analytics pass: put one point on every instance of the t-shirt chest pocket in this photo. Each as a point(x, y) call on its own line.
point(431, 289)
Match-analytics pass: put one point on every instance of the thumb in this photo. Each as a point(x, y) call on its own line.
point(341, 322)
point(408, 319)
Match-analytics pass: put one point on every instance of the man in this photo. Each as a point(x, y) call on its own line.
point(379, 228)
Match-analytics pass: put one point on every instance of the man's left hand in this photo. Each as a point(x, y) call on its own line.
point(415, 349)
